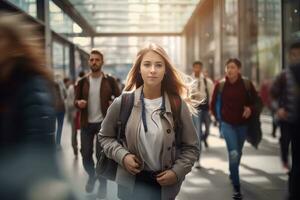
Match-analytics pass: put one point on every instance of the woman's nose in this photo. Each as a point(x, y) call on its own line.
point(152, 69)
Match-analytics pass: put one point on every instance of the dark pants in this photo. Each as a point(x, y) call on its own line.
point(294, 180)
point(73, 132)
point(88, 134)
point(285, 140)
point(146, 188)
point(60, 122)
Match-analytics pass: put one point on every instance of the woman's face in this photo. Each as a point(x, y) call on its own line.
point(232, 70)
point(153, 69)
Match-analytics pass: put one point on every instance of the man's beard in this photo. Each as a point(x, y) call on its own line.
point(95, 69)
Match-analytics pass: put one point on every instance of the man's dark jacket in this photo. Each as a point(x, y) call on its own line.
point(108, 91)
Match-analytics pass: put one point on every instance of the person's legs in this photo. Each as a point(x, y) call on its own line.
point(74, 137)
point(285, 140)
point(87, 144)
point(234, 137)
point(102, 181)
point(231, 140)
point(241, 136)
point(294, 180)
point(274, 124)
point(60, 123)
point(206, 121)
point(196, 122)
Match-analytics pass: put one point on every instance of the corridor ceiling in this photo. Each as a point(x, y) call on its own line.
point(135, 16)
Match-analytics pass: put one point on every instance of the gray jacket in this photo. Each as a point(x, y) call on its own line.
point(178, 159)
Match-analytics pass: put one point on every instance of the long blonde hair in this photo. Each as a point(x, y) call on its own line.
point(26, 42)
point(172, 83)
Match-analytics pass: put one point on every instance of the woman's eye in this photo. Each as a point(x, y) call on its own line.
point(158, 65)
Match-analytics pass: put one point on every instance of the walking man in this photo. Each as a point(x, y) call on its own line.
point(93, 96)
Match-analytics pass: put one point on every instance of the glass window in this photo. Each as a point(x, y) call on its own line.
point(291, 25)
point(57, 58)
point(28, 6)
point(60, 21)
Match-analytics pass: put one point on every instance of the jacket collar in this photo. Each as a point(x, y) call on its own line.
point(102, 74)
point(137, 101)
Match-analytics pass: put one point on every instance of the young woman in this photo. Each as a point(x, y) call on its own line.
point(151, 165)
point(236, 109)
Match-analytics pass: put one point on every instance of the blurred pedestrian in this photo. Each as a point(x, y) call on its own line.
point(202, 91)
point(60, 97)
point(286, 102)
point(27, 116)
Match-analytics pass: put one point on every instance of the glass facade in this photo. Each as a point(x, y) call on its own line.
point(60, 22)
point(29, 6)
point(248, 30)
point(61, 58)
point(230, 29)
point(291, 25)
point(136, 16)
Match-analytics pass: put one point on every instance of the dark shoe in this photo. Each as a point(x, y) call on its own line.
point(101, 194)
point(89, 187)
point(205, 144)
point(237, 196)
point(197, 165)
point(75, 152)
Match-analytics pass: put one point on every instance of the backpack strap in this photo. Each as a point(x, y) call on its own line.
point(221, 85)
point(247, 85)
point(111, 81)
point(206, 90)
point(175, 102)
point(127, 100)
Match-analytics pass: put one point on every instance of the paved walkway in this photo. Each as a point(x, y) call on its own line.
point(262, 177)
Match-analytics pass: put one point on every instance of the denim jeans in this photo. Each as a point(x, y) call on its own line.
point(60, 122)
point(202, 117)
point(196, 122)
point(235, 136)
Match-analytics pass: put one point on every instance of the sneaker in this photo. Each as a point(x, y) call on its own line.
point(237, 196)
point(89, 187)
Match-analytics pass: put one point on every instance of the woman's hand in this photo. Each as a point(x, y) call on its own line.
point(167, 177)
point(132, 164)
point(247, 112)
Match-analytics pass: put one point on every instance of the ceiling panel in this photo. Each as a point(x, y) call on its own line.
point(136, 16)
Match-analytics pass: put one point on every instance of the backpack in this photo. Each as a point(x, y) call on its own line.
point(254, 132)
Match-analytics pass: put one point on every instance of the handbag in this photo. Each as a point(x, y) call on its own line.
point(106, 167)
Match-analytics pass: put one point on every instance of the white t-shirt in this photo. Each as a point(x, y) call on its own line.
point(151, 143)
point(94, 101)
